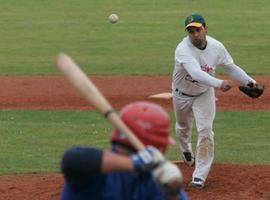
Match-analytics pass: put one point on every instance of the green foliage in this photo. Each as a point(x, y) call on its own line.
point(34, 141)
point(142, 42)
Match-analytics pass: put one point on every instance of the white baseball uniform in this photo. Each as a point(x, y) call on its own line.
point(194, 96)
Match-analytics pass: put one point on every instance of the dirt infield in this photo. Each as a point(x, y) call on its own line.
point(225, 182)
point(247, 182)
point(54, 92)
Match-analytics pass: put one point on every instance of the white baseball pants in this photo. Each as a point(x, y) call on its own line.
point(203, 109)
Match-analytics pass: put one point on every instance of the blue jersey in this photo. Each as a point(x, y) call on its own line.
point(84, 181)
point(116, 186)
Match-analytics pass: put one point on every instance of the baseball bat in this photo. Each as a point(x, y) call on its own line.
point(91, 93)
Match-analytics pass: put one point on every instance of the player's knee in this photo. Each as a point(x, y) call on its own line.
point(206, 136)
point(206, 131)
point(184, 131)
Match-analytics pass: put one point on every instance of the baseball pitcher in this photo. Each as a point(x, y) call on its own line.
point(193, 88)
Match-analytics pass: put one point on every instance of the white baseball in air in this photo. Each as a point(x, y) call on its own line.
point(113, 18)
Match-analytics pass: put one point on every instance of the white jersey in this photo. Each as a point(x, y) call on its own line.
point(194, 69)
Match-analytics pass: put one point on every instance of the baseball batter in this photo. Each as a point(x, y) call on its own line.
point(196, 59)
point(124, 173)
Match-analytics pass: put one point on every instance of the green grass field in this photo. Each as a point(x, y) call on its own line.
point(33, 141)
point(142, 42)
point(33, 32)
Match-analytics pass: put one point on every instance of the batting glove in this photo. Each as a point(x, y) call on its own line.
point(147, 159)
point(169, 177)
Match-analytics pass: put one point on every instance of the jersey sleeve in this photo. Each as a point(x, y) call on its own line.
point(194, 69)
point(81, 163)
point(225, 58)
point(232, 69)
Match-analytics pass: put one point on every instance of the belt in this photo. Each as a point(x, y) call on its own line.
point(182, 93)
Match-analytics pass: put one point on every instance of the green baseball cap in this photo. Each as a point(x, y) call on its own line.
point(194, 20)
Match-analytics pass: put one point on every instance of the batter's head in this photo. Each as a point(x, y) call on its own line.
point(148, 121)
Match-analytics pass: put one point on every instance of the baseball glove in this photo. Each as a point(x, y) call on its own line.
point(253, 90)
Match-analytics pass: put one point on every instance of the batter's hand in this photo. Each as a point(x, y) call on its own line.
point(226, 85)
point(147, 159)
point(169, 177)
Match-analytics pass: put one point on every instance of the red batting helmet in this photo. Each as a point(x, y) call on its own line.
point(148, 121)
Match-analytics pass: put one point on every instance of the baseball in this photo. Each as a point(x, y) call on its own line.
point(113, 18)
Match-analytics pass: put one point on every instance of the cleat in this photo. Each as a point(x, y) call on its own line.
point(188, 158)
point(197, 183)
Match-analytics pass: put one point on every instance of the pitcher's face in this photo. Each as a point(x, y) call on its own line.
point(197, 36)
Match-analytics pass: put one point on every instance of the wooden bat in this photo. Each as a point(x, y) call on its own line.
point(91, 93)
